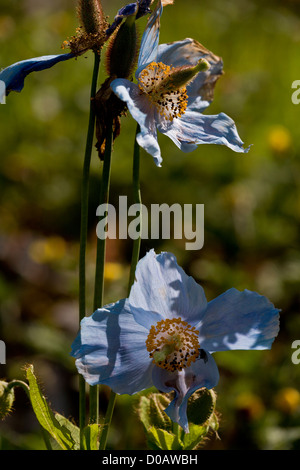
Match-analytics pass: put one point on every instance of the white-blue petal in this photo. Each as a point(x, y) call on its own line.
point(14, 75)
point(238, 320)
point(163, 290)
point(140, 109)
point(150, 39)
point(200, 374)
point(193, 128)
point(110, 349)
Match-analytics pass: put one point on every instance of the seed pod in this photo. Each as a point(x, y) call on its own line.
point(91, 15)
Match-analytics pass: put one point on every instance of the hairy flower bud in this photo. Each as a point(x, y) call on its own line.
point(122, 51)
point(7, 397)
point(201, 406)
point(151, 411)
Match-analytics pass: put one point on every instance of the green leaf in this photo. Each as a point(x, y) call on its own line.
point(164, 440)
point(194, 437)
point(91, 437)
point(57, 428)
point(71, 428)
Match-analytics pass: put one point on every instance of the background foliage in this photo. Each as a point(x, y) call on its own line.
point(252, 209)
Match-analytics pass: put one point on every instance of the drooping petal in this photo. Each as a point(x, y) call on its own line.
point(110, 349)
point(14, 75)
point(150, 39)
point(140, 109)
point(238, 320)
point(163, 290)
point(188, 52)
point(200, 374)
point(193, 128)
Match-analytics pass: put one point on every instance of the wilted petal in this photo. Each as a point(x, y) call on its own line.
point(140, 109)
point(194, 128)
point(124, 12)
point(110, 349)
point(188, 52)
point(163, 290)
point(200, 374)
point(14, 75)
point(238, 320)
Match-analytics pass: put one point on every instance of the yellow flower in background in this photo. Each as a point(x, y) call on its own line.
point(113, 271)
point(287, 400)
point(47, 250)
point(279, 139)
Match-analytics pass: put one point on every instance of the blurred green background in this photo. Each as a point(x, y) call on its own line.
point(252, 209)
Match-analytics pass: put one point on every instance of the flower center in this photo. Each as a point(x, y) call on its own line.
point(173, 344)
point(156, 82)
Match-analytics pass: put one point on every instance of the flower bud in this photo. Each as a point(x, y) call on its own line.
point(122, 50)
point(7, 397)
point(151, 411)
point(201, 406)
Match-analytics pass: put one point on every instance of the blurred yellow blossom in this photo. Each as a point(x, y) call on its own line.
point(47, 250)
point(287, 400)
point(113, 271)
point(279, 139)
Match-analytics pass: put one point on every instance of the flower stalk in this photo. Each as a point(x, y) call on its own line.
point(83, 230)
point(100, 260)
point(134, 261)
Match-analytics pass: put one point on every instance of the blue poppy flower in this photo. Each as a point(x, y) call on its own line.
point(170, 106)
point(165, 332)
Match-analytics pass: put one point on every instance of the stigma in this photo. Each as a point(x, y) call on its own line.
point(156, 82)
point(173, 344)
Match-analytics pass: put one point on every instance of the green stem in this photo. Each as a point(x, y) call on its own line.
point(18, 383)
point(84, 230)
point(134, 261)
point(137, 200)
point(100, 260)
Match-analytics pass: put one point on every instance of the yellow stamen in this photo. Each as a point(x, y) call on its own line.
point(173, 344)
point(156, 82)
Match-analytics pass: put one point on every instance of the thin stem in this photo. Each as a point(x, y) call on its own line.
point(176, 431)
point(84, 229)
point(18, 383)
point(134, 261)
point(100, 260)
point(137, 200)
